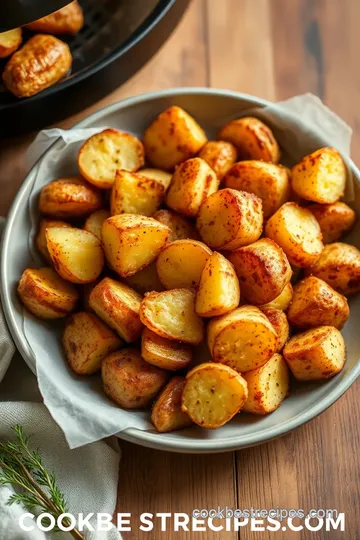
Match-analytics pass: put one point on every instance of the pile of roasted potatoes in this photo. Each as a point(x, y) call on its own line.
point(175, 240)
point(44, 59)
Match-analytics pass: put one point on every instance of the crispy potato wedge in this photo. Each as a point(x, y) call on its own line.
point(213, 394)
point(40, 63)
point(171, 315)
point(107, 152)
point(163, 177)
point(173, 137)
point(268, 386)
point(280, 322)
point(87, 341)
point(166, 414)
point(10, 41)
point(45, 294)
point(297, 232)
point(40, 240)
point(67, 20)
point(164, 353)
point(191, 183)
point(133, 193)
point(132, 242)
point(129, 381)
point(316, 354)
point(147, 280)
point(220, 156)
point(320, 176)
point(334, 219)
point(252, 139)
point(118, 306)
point(269, 182)
point(95, 221)
point(69, 197)
point(339, 266)
point(219, 289)
point(282, 301)
point(179, 226)
point(180, 263)
point(229, 219)
point(243, 339)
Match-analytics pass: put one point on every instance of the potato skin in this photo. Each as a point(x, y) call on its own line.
point(69, 197)
point(94, 222)
point(40, 63)
point(10, 41)
point(164, 353)
point(133, 193)
point(129, 381)
point(282, 301)
point(166, 414)
point(180, 227)
point(67, 20)
point(40, 240)
point(334, 219)
point(219, 155)
point(280, 322)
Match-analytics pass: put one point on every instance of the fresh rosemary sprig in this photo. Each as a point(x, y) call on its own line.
point(36, 488)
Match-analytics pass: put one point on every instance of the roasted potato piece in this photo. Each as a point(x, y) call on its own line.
point(318, 353)
point(279, 321)
point(339, 266)
point(282, 301)
point(166, 413)
point(320, 176)
point(118, 306)
point(147, 280)
point(243, 339)
point(220, 156)
point(191, 183)
point(95, 221)
point(252, 139)
point(334, 219)
point(160, 176)
point(180, 263)
point(171, 315)
point(132, 242)
point(69, 197)
point(130, 381)
point(297, 232)
point(164, 353)
point(268, 181)
point(86, 341)
point(133, 193)
point(85, 294)
point(268, 386)
point(213, 394)
point(67, 20)
point(229, 219)
point(10, 41)
point(41, 237)
point(219, 289)
point(45, 294)
point(77, 255)
point(107, 152)
point(263, 270)
point(40, 63)
point(173, 137)
point(179, 226)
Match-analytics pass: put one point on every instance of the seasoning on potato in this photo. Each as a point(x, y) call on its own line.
point(147, 280)
point(163, 177)
point(166, 414)
point(69, 197)
point(164, 353)
point(282, 301)
point(220, 156)
point(67, 20)
point(95, 221)
point(180, 227)
point(10, 41)
point(133, 193)
point(281, 325)
point(41, 237)
point(334, 219)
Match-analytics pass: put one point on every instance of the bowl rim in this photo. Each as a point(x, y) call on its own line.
point(148, 438)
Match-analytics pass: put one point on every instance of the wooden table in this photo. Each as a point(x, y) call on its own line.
point(273, 49)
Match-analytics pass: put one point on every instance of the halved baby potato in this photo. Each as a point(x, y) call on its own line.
point(213, 394)
point(41, 237)
point(45, 294)
point(10, 41)
point(67, 20)
point(166, 414)
point(69, 197)
point(280, 322)
point(334, 219)
point(282, 301)
point(164, 353)
point(147, 280)
point(163, 177)
point(133, 193)
point(106, 152)
point(180, 227)
point(219, 155)
point(95, 221)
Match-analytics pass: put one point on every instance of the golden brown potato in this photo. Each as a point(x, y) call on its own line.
point(147, 280)
point(160, 176)
point(107, 152)
point(339, 266)
point(85, 294)
point(41, 237)
point(67, 20)
point(166, 413)
point(76, 254)
point(268, 386)
point(180, 263)
point(173, 137)
point(220, 155)
point(334, 219)
point(171, 314)
point(279, 321)
point(252, 139)
point(95, 221)
point(164, 353)
point(318, 353)
point(191, 183)
point(268, 181)
point(86, 341)
point(132, 242)
point(40, 63)
point(45, 294)
point(219, 289)
point(229, 219)
point(10, 41)
point(130, 381)
point(118, 306)
point(243, 339)
point(179, 226)
point(282, 301)
point(297, 232)
point(133, 193)
point(213, 394)
point(69, 198)
point(263, 270)
point(320, 176)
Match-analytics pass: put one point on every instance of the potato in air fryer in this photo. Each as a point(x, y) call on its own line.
point(220, 155)
point(163, 177)
point(164, 353)
point(334, 219)
point(41, 237)
point(70, 197)
point(280, 322)
point(10, 41)
point(316, 354)
point(282, 301)
point(173, 137)
point(67, 20)
point(166, 414)
point(147, 280)
point(95, 221)
point(180, 227)
point(133, 193)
